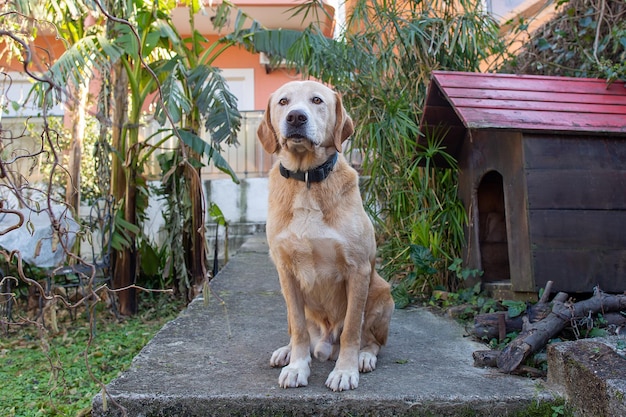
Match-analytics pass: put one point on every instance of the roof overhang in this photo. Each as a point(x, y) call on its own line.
point(460, 101)
point(271, 14)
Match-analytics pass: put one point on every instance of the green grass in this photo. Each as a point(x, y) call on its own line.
point(55, 375)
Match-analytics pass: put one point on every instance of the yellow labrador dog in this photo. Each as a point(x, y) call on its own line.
point(321, 240)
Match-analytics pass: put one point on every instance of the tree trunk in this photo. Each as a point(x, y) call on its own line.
point(196, 257)
point(120, 111)
point(127, 264)
point(123, 189)
point(72, 189)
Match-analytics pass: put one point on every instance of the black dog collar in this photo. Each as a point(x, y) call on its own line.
point(318, 174)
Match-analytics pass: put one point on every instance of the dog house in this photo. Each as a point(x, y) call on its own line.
point(542, 175)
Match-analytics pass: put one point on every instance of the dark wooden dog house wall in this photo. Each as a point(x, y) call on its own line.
point(542, 175)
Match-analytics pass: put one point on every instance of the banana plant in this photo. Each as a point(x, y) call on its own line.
point(197, 100)
point(191, 95)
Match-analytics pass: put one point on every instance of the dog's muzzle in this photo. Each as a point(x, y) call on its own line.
point(296, 125)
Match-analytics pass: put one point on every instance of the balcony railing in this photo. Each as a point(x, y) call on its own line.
point(247, 158)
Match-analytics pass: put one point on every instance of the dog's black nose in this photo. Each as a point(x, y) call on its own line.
point(296, 118)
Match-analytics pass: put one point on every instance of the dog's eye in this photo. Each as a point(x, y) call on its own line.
point(283, 101)
point(317, 100)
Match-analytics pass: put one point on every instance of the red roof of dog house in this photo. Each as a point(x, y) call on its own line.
point(461, 100)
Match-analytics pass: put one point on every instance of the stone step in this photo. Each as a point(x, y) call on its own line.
point(238, 233)
point(213, 360)
point(591, 374)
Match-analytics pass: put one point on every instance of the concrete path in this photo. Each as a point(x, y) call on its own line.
point(213, 360)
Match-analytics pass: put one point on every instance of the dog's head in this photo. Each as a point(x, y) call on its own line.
point(302, 116)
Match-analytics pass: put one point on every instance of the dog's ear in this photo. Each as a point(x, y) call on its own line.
point(266, 134)
point(343, 125)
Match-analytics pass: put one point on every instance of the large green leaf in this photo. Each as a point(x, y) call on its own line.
point(175, 101)
point(216, 103)
point(77, 64)
point(201, 147)
point(216, 214)
point(275, 42)
point(126, 39)
point(124, 232)
point(423, 259)
point(515, 308)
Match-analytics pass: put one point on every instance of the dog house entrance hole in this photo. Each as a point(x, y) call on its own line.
point(492, 237)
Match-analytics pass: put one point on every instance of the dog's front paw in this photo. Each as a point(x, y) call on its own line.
point(281, 356)
point(294, 375)
point(343, 380)
point(367, 362)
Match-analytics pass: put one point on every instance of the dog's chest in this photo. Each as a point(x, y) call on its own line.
point(308, 243)
point(309, 224)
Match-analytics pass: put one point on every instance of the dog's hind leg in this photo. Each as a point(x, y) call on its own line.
point(324, 344)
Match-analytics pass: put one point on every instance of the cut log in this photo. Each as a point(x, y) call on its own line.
point(488, 325)
point(486, 358)
point(615, 319)
point(489, 359)
point(545, 297)
point(536, 335)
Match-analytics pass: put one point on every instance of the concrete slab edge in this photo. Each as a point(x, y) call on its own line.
point(141, 405)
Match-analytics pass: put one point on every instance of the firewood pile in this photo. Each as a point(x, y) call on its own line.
point(541, 323)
